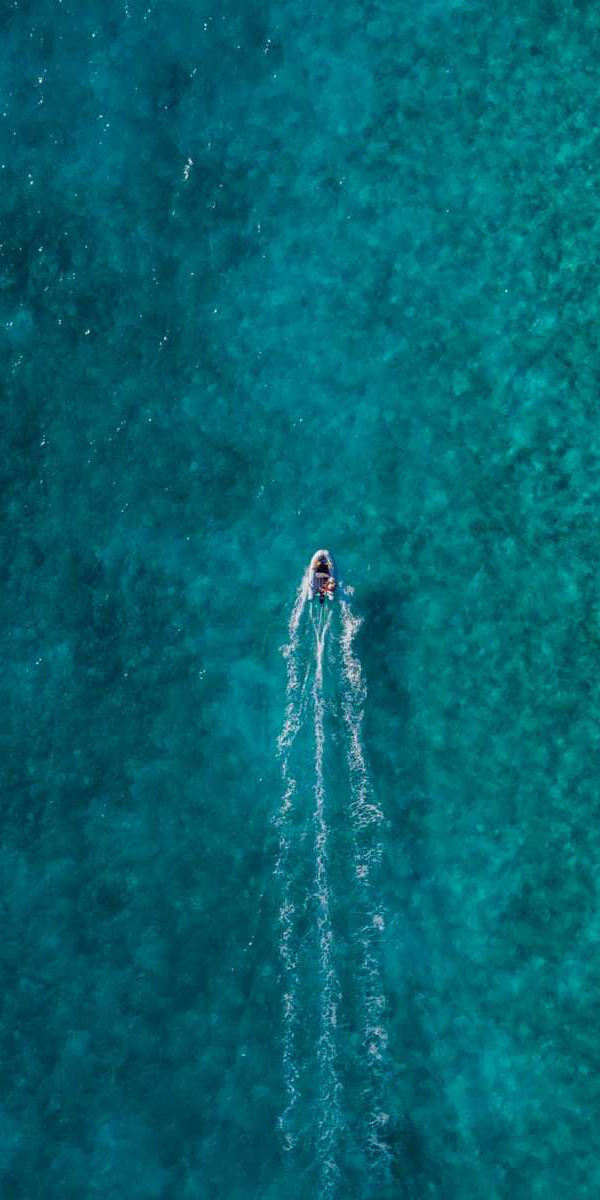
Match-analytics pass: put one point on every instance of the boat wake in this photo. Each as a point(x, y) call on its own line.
point(320, 749)
point(329, 1087)
point(294, 709)
point(367, 817)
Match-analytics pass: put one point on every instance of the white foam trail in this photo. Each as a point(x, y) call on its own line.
point(290, 653)
point(364, 810)
point(329, 1085)
point(366, 816)
point(294, 704)
point(294, 709)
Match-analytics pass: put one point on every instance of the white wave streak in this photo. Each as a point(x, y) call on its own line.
point(290, 653)
point(366, 815)
point(329, 1085)
point(294, 709)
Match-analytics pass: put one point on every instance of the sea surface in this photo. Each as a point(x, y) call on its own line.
point(299, 903)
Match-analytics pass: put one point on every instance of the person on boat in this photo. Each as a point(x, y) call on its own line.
point(325, 587)
point(323, 566)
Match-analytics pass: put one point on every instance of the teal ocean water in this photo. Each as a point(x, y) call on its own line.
point(299, 904)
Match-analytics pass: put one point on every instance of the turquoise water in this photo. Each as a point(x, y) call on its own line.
point(299, 905)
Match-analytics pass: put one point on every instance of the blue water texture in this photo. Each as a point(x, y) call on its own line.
point(299, 902)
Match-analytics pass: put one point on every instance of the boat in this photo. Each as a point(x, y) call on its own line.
point(322, 580)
